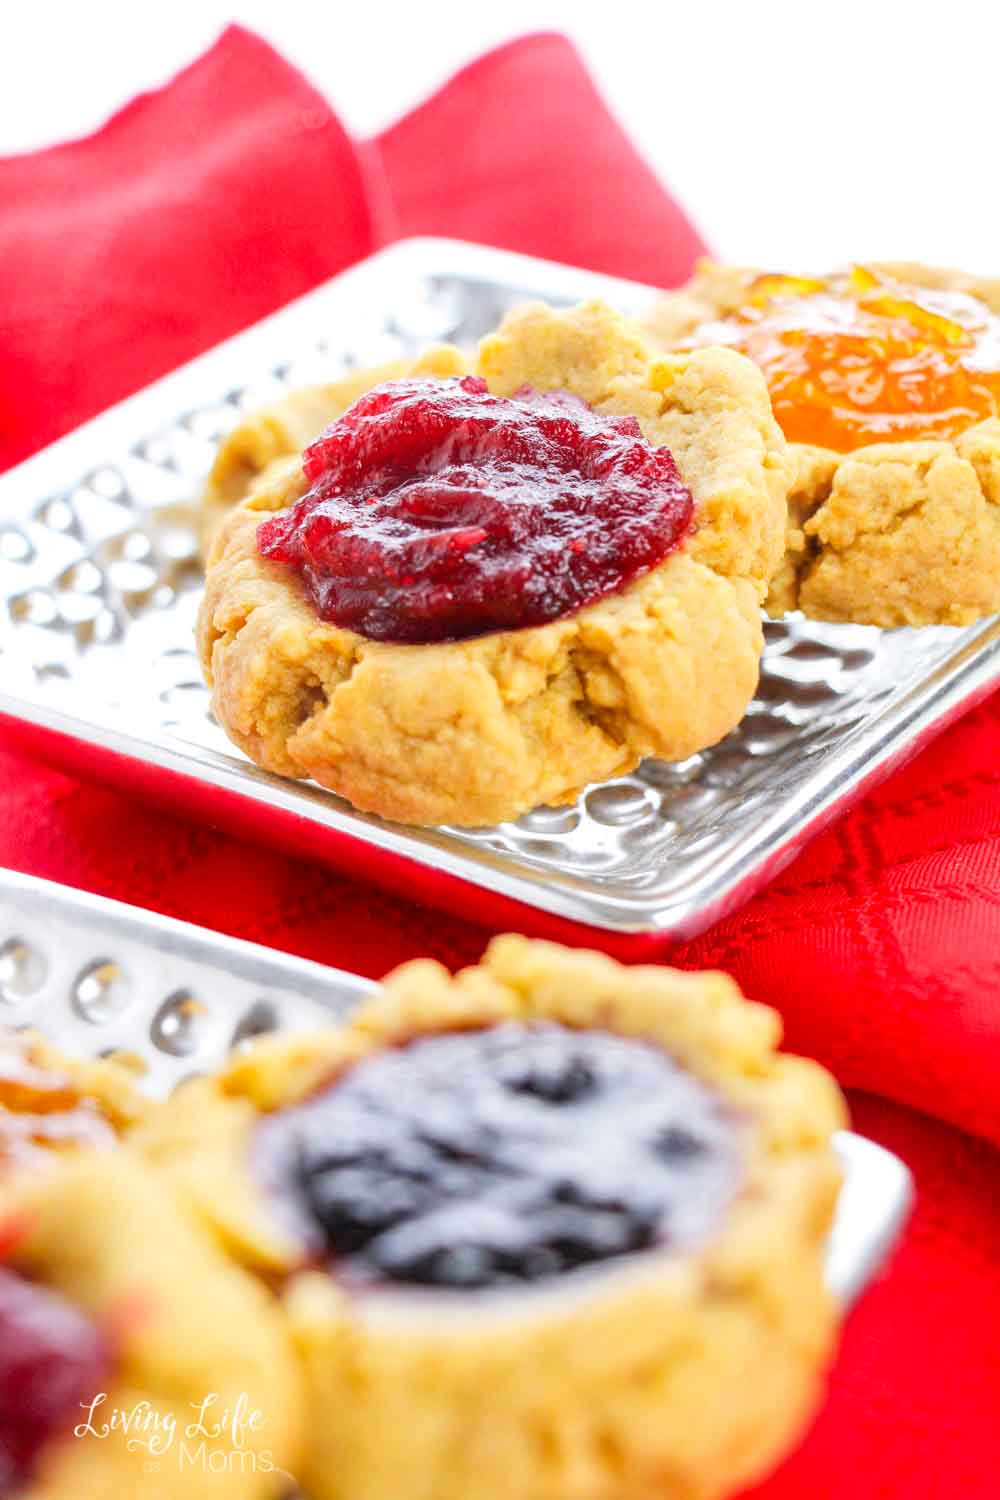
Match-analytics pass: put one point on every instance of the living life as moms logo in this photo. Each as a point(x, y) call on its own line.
point(218, 1440)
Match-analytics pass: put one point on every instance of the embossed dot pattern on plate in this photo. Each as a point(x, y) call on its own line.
point(101, 991)
point(22, 970)
point(176, 1024)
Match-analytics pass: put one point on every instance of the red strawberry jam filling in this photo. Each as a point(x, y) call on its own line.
point(501, 1156)
point(438, 512)
point(53, 1360)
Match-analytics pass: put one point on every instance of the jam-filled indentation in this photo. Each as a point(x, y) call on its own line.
point(865, 358)
point(500, 1156)
point(41, 1108)
point(437, 511)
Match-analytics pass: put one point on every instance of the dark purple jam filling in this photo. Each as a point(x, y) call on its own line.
point(438, 512)
point(501, 1156)
point(53, 1362)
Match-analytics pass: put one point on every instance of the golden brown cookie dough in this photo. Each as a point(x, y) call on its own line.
point(193, 1337)
point(479, 730)
point(288, 426)
point(895, 533)
point(889, 534)
point(676, 1372)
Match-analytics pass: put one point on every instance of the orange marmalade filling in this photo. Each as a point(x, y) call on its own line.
point(40, 1108)
point(862, 358)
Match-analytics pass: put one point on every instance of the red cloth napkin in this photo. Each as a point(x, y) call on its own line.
point(204, 206)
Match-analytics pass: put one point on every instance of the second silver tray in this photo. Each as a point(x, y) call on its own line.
point(98, 976)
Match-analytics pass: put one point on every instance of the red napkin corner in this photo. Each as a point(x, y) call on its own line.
point(205, 205)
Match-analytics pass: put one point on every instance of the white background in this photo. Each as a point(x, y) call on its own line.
point(799, 135)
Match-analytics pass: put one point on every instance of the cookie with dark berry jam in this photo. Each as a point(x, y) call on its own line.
point(550, 1227)
point(494, 1157)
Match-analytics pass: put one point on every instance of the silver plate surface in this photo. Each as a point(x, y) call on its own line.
point(99, 587)
point(98, 976)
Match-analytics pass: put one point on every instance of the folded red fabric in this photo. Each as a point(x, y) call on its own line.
point(523, 174)
point(124, 254)
point(209, 203)
point(881, 943)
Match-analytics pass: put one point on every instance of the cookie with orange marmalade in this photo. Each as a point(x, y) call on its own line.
point(549, 1229)
point(886, 381)
point(475, 594)
point(51, 1104)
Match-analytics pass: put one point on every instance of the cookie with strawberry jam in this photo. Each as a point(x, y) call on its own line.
point(886, 381)
point(478, 593)
point(266, 435)
point(119, 1319)
point(551, 1227)
point(54, 1360)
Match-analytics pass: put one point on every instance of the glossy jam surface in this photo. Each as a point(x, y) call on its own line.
point(438, 512)
point(501, 1156)
point(40, 1108)
point(52, 1359)
point(862, 358)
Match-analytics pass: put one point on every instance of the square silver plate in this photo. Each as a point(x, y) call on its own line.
point(99, 582)
point(97, 976)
